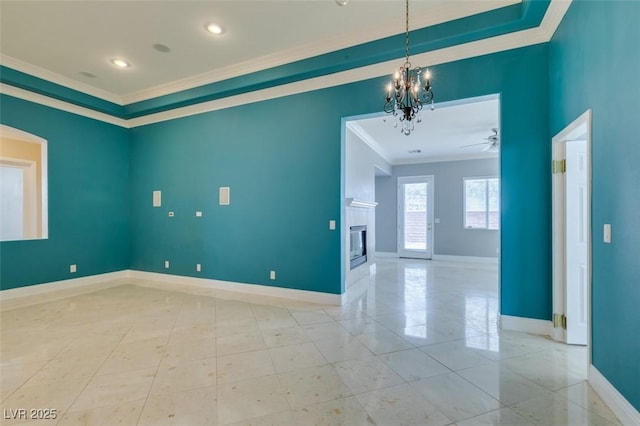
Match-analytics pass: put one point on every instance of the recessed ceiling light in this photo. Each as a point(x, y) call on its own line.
point(161, 48)
point(342, 2)
point(120, 63)
point(214, 28)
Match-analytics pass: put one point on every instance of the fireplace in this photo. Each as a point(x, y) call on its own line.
point(358, 254)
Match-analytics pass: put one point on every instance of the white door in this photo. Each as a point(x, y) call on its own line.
point(577, 242)
point(415, 217)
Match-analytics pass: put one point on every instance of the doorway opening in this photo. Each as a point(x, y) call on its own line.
point(23, 185)
point(571, 225)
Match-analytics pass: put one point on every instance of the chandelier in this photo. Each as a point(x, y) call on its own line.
point(406, 93)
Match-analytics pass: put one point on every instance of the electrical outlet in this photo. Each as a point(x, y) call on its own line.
point(171, 214)
point(272, 275)
point(166, 264)
point(198, 267)
point(72, 268)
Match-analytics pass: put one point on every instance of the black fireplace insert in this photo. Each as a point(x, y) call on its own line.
point(358, 254)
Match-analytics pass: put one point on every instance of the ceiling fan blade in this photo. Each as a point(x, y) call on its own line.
point(475, 144)
point(492, 147)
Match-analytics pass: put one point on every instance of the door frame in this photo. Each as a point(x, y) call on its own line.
point(430, 179)
point(580, 125)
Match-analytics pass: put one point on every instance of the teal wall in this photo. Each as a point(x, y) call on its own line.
point(282, 159)
point(520, 77)
point(88, 165)
point(595, 63)
point(285, 184)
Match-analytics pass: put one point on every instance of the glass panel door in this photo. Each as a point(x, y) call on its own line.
point(415, 217)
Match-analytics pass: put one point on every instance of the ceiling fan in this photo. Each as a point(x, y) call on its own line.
point(492, 142)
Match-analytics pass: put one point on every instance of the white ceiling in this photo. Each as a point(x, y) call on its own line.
point(441, 135)
point(66, 38)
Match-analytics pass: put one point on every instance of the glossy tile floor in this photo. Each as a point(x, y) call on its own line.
point(417, 344)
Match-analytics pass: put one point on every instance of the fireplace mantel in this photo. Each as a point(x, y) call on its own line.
point(354, 202)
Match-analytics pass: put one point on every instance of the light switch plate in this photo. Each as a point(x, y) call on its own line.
point(73, 268)
point(272, 275)
point(607, 233)
point(225, 195)
point(198, 214)
point(198, 267)
point(332, 225)
point(166, 264)
point(157, 198)
point(171, 214)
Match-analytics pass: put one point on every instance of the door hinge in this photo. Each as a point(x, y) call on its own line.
point(559, 166)
point(559, 321)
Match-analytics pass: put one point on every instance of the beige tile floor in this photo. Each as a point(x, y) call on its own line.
point(416, 344)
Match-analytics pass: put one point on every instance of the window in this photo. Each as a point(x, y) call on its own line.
point(481, 203)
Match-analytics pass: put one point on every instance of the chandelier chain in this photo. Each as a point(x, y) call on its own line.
point(406, 36)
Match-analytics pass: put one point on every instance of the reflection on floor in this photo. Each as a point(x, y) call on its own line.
point(417, 345)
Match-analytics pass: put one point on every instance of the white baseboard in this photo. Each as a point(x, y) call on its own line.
point(58, 289)
point(249, 289)
point(31, 294)
point(526, 325)
point(386, 254)
point(471, 259)
point(624, 411)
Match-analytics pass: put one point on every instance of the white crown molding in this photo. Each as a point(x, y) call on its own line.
point(621, 407)
point(552, 18)
point(530, 37)
point(514, 40)
point(56, 78)
point(440, 13)
point(61, 105)
point(478, 48)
